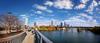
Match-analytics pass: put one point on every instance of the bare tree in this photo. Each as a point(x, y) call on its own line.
point(9, 22)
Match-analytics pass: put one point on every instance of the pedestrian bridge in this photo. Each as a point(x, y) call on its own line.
point(79, 27)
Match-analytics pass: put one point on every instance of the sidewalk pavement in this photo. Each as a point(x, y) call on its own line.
point(29, 38)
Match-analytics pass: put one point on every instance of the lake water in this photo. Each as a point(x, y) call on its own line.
point(72, 36)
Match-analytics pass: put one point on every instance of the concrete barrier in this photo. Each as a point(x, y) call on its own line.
point(14, 39)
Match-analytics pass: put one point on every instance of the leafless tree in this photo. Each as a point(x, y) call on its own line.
point(9, 21)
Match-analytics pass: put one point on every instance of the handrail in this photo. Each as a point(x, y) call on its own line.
point(43, 37)
point(14, 39)
point(13, 36)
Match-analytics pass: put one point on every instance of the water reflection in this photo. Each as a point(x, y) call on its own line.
point(72, 35)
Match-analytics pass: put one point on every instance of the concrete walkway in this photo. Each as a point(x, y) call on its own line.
point(29, 38)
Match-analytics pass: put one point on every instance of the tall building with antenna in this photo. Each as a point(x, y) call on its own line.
point(26, 21)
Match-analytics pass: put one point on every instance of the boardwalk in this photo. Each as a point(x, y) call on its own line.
point(29, 38)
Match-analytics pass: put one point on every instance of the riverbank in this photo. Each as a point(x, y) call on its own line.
point(95, 30)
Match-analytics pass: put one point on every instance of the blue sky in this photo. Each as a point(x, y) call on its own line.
point(76, 13)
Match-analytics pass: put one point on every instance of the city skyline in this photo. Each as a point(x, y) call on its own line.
point(85, 12)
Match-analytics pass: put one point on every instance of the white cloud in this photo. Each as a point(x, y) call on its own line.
point(95, 3)
point(80, 22)
point(76, 22)
point(49, 11)
point(38, 12)
point(86, 16)
point(80, 6)
point(43, 8)
point(91, 20)
point(84, 1)
point(63, 4)
point(42, 22)
point(82, 19)
point(47, 22)
point(41, 17)
point(73, 21)
point(76, 19)
point(25, 19)
point(23, 15)
point(40, 7)
point(60, 4)
point(49, 3)
point(91, 7)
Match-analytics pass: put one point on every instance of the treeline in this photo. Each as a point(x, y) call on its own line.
point(95, 30)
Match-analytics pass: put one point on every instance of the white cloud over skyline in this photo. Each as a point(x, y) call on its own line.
point(25, 19)
point(49, 3)
point(81, 19)
point(80, 6)
point(91, 7)
point(84, 1)
point(43, 8)
point(76, 21)
point(72, 21)
point(60, 4)
point(38, 12)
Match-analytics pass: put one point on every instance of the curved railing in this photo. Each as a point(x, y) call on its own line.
point(14, 39)
point(40, 38)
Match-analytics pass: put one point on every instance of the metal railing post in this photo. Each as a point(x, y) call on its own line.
point(41, 38)
point(14, 39)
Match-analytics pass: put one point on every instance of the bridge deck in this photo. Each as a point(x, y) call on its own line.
point(29, 38)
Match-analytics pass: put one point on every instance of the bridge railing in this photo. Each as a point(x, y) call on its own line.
point(14, 39)
point(40, 38)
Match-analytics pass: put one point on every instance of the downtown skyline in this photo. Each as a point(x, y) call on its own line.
point(75, 13)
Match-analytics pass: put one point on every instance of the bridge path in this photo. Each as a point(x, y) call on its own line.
point(29, 38)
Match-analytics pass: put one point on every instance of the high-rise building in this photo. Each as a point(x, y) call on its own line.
point(26, 21)
point(35, 24)
point(51, 23)
point(65, 24)
point(61, 24)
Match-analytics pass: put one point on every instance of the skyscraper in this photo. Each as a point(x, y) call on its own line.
point(65, 24)
point(26, 21)
point(35, 24)
point(51, 23)
point(61, 24)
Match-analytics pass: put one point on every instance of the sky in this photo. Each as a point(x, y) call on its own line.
point(73, 12)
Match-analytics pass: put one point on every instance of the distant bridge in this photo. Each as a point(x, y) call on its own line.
point(79, 27)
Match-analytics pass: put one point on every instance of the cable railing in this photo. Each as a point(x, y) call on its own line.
point(40, 38)
point(14, 39)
